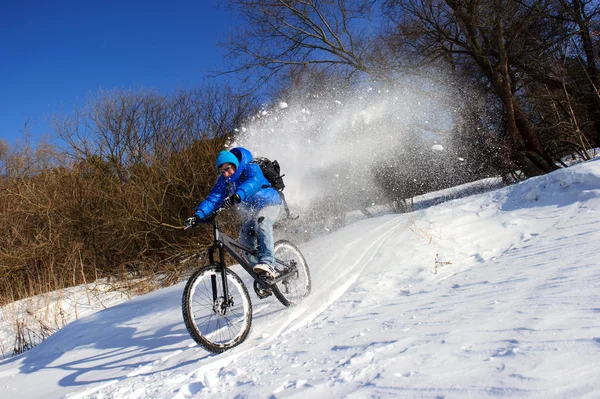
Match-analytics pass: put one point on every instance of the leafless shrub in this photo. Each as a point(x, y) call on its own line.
point(138, 165)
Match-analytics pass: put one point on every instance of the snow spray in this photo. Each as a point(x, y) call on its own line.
point(329, 144)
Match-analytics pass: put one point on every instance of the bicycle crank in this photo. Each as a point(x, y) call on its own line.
point(262, 292)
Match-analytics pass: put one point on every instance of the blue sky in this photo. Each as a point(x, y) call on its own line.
point(53, 54)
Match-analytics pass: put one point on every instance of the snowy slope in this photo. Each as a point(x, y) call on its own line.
point(512, 308)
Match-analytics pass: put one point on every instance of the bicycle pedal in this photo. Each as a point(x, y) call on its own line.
point(262, 293)
point(266, 277)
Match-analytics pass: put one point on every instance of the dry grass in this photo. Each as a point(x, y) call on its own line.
point(107, 208)
point(110, 203)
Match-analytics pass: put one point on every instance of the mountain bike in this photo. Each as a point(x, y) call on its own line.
point(216, 306)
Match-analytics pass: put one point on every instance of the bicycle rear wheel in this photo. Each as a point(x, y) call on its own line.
point(216, 323)
point(293, 289)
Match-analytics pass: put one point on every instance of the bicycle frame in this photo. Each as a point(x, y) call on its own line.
point(221, 243)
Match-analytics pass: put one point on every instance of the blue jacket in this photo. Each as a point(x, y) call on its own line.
point(248, 182)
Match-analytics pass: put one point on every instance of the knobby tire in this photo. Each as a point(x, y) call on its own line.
point(213, 331)
point(292, 290)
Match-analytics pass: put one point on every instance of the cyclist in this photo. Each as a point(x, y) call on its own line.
point(242, 182)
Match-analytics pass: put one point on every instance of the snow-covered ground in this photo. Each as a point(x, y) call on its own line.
point(510, 308)
point(39, 316)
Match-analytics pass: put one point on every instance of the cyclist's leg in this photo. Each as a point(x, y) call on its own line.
point(265, 218)
point(248, 238)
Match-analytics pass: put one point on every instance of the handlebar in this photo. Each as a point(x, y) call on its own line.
point(209, 219)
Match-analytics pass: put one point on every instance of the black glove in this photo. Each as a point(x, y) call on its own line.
point(231, 201)
point(192, 222)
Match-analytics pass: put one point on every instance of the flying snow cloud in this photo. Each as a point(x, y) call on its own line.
point(329, 143)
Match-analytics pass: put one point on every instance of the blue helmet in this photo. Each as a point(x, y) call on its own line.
point(227, 157)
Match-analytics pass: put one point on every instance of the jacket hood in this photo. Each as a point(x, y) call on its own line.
point(245, 157)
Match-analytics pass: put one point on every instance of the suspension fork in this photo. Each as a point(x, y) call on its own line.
point(221, 248)
point(218, 246)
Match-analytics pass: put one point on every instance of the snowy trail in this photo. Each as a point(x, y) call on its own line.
point(342, 271)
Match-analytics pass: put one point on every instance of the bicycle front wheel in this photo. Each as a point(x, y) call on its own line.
point(215, 321)
point(291, 290)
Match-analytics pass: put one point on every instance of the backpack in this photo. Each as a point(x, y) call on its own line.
point(272, 172)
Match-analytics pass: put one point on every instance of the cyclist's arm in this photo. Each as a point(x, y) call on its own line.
point(255, 180)
point(214, 199)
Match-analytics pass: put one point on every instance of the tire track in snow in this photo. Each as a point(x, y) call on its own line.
point(345, 280)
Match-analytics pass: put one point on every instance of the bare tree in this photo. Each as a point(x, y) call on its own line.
point(129, 127)
point(280, 35)
point(493, 36)
point(584, 15)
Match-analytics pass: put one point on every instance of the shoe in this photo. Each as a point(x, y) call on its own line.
point(265, 268)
